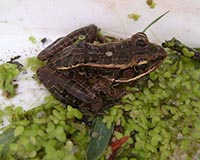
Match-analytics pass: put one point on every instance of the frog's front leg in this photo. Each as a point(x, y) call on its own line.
point(89, 33)
point(106, 87)
point(66, 88)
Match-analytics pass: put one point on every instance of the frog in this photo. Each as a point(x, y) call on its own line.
point(89, 71)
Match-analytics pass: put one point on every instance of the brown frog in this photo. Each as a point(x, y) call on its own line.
point(85, 70)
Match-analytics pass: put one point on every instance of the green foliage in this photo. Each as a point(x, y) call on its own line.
point(161, 117)
point(32, 39)
point(187, 53)
point(134, 16)
point(73, 113)
point(44, 132)
point(99, 139)
point(8, 73)
point(163, 114)
point(34, 63)
point(151, 4)
point(156, 20)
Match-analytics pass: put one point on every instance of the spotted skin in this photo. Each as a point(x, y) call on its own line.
point(91, 73)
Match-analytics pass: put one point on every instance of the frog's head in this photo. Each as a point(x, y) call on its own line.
point(147, 56)
point(144, 57)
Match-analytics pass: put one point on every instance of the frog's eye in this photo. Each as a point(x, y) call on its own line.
point(140, 40)
point(141, 43)
point(142, 65)
point(142, 68)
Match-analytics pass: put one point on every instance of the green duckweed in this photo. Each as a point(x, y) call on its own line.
point(134, 16)
point(8, 72)
point(164, 117)
point(45, 132)
point(34, 63)
point(151, 4)
point(161, 118)
point(32, 39)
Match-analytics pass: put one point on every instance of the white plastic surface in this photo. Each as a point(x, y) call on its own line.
point(20, 19)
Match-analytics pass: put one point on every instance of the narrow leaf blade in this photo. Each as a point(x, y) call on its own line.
point(99, 141)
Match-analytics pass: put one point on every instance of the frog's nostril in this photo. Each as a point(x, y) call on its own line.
point(153, 49)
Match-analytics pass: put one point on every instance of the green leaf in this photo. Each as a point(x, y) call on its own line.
point(19, 130)
point(134, 16)
point(99, 141)
point(187, 53)
point(34, 63)
point(14, 147)
point(185, 144)
point(32, 39)
point(154, 21)
point(6, 138)
point(153, 76)
point(73, 113)
point(78, 114)
point(8, 72)
point(60, 134)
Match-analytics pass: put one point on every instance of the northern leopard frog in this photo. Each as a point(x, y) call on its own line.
point(92, 72)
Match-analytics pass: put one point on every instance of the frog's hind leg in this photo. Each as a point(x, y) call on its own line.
point(66, 88)
point(89, 34)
